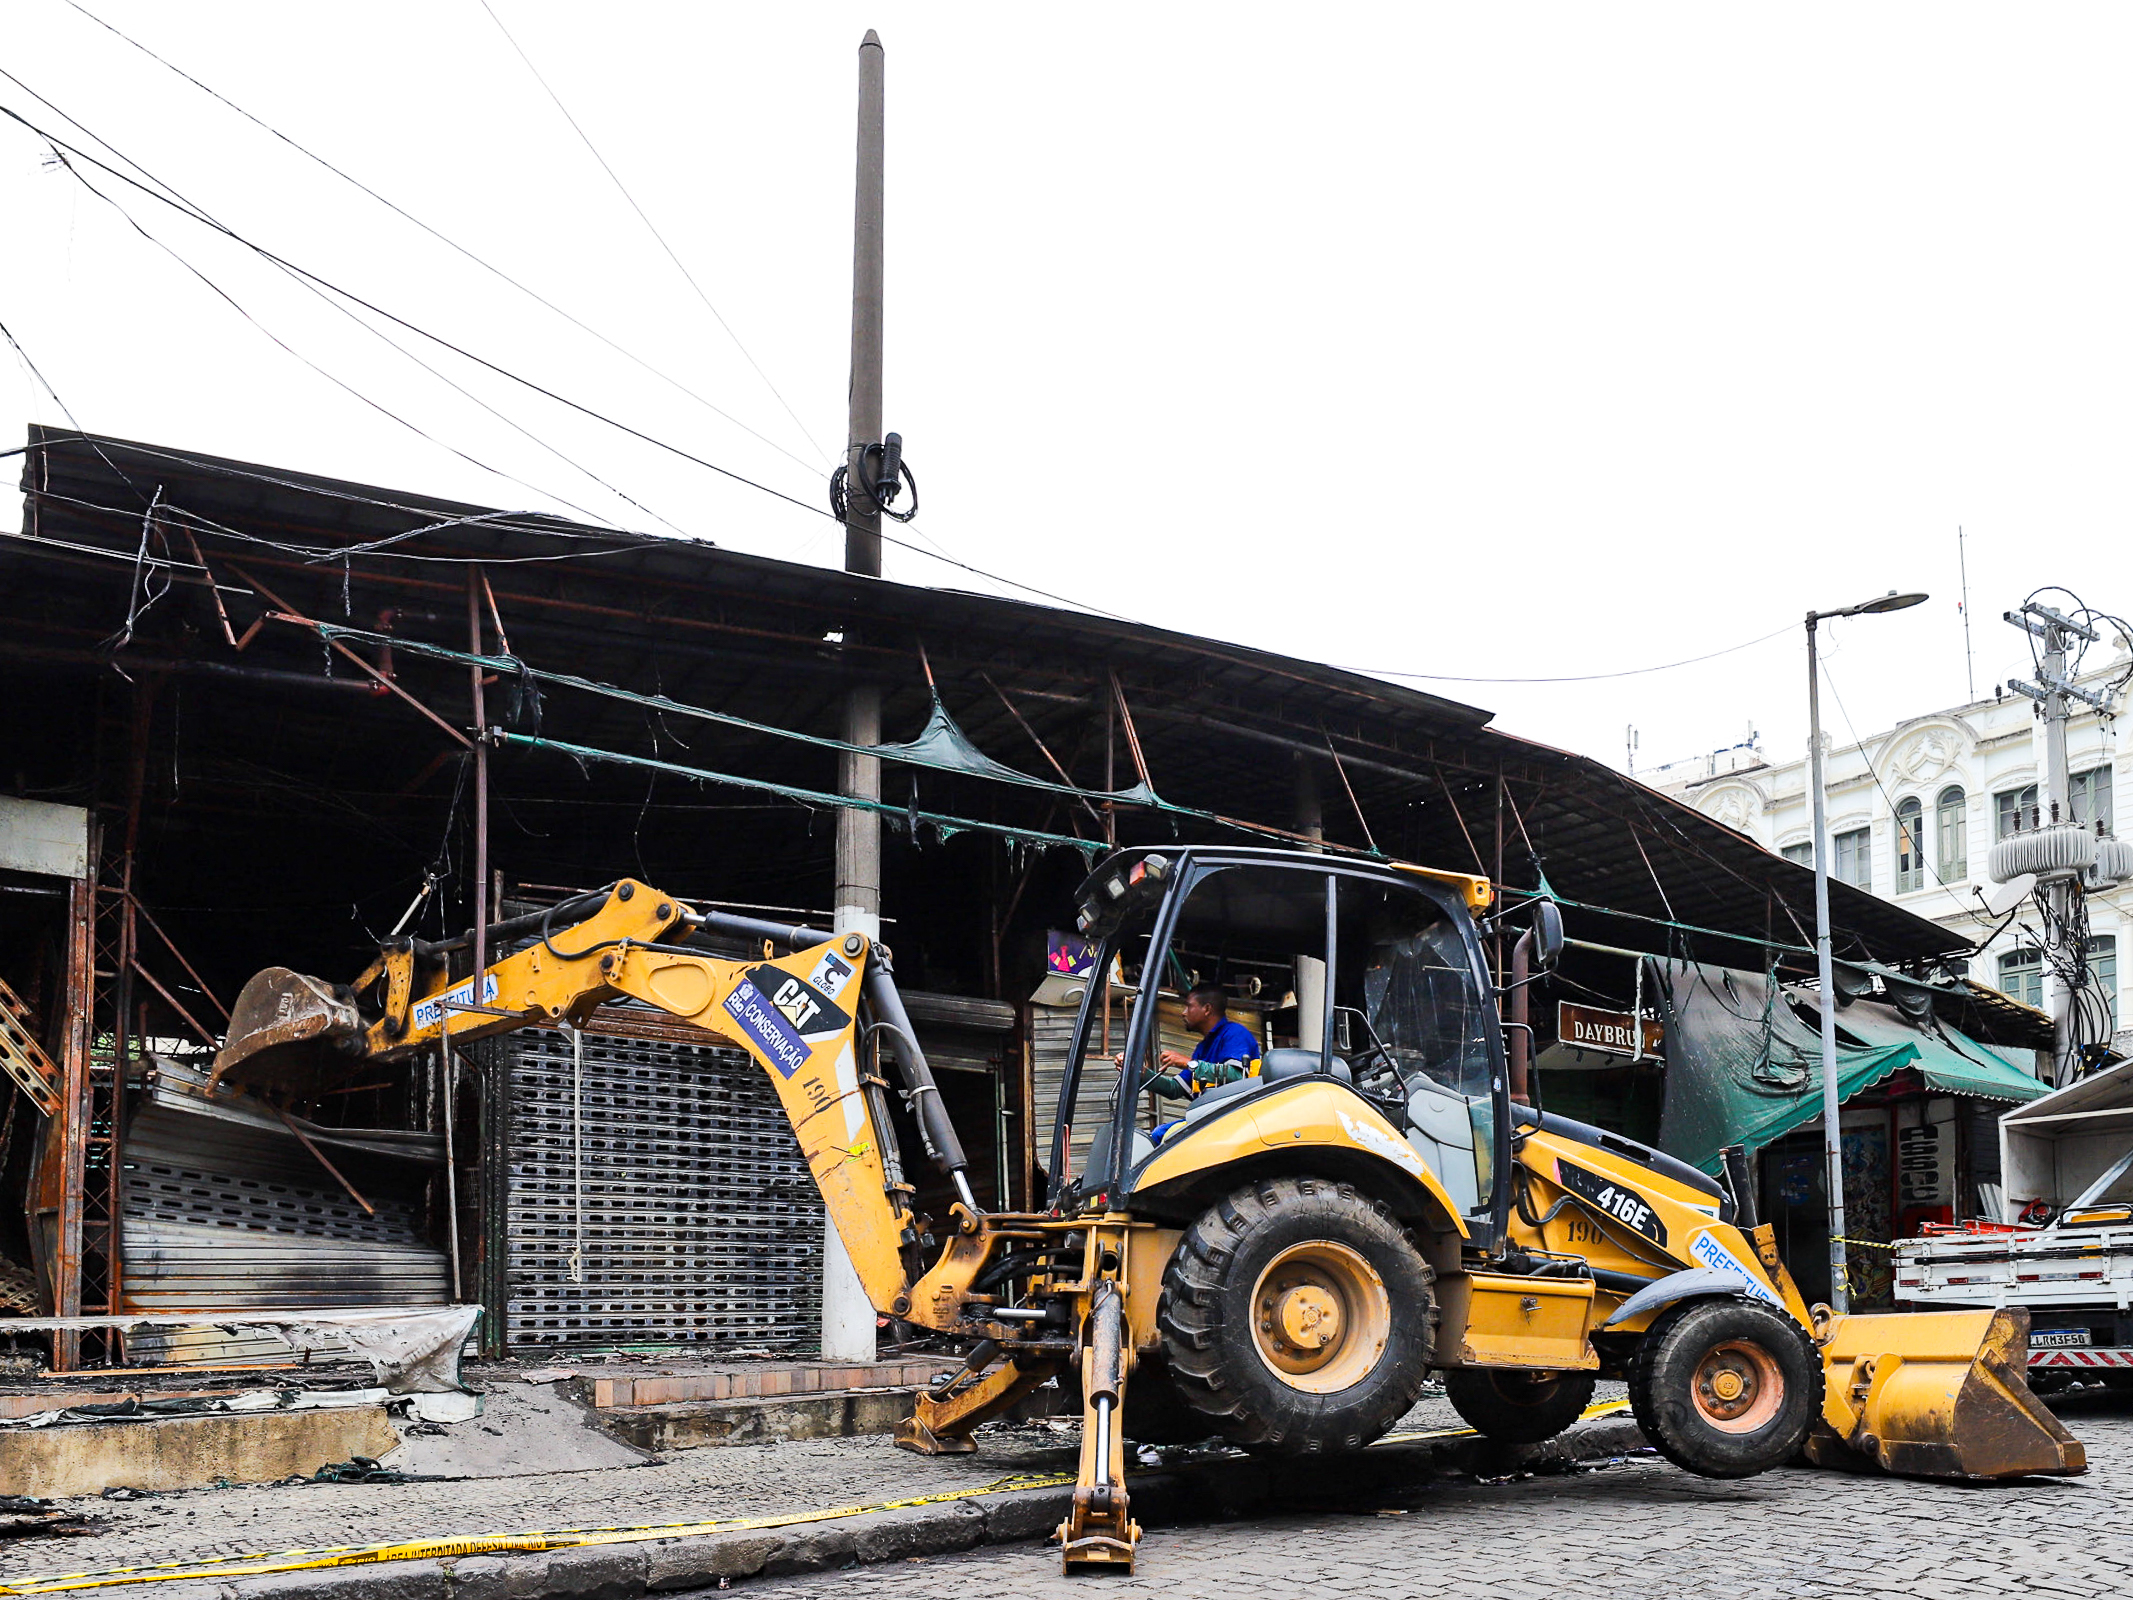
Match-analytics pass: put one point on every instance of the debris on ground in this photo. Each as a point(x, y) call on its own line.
point(24, 1516)
point(362, 1469)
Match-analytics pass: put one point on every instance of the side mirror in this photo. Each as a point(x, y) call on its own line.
point(1547, 935)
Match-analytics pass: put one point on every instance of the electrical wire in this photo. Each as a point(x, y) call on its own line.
point(445, 239)
point(200, 214)
point(2063, 942)
point(2088, 617)
point(545, 524)
point(1925, 860)
point(1586, 677)
point(165, 194)
point(67, 411)
point(309, 553)
point(184, 208)
point(347, 388)
point(623, 190)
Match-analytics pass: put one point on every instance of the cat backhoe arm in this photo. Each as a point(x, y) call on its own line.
point(797, 1013)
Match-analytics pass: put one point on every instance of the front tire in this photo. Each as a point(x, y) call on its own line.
point(1298, 1317)
point(1725, 1388)
point(1518, 1407)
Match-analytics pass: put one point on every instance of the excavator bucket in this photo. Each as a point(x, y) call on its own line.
point(279, 1020)
point(1937, 1394)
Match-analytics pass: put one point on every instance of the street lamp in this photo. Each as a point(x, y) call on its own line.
point(1832, 1135)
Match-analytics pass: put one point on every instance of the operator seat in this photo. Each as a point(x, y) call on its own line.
point(1440, 1129)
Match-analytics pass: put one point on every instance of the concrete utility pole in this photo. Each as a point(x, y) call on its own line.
point(2055, 804)
point(847, 1316)
point(2055, 798)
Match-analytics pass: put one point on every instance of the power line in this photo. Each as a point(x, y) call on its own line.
point(311, 554)
point(68, 412)
point(446, 240)
point(184, 207)
point(191, 208)
point(623, 190)
point(506, 277)
point(347, 388)
point(1588, 677)
point(1919, 840)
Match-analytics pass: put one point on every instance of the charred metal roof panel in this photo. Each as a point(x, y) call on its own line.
point(1223, 728)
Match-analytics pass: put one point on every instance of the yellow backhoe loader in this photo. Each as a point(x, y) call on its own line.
point(1286, 1262)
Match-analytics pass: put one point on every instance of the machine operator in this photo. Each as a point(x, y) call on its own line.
point(1226, 1052)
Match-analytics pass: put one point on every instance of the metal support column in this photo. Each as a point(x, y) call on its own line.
point(494, 1264)
point(70, 1138)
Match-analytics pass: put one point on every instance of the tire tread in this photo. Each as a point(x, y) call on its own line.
point(1190, 1316)
point(1655, 1419)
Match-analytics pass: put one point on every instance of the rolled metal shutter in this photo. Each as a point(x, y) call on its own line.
point(223, 1210)
point(693, 1218)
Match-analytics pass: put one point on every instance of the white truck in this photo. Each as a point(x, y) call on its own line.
point(2063, 1246)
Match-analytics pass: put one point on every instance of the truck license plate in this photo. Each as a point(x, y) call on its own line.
point(2055, 1338)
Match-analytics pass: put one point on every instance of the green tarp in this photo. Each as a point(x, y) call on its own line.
point(1949, 1060)
point(1743, 1068)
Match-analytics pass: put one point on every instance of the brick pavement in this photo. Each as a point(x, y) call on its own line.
point(1642, 1528)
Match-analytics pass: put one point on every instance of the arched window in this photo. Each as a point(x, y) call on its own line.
point(2103, 980)
point(1910, 845)
point(1954, 829)
point(2022, 975)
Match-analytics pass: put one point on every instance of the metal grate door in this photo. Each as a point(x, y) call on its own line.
point(682, 1212)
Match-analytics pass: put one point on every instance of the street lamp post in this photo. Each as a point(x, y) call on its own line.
point(1825, 964)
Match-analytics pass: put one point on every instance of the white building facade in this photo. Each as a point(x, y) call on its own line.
point(1914, 811)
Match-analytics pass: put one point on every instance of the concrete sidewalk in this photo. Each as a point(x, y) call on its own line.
point(793, 1479)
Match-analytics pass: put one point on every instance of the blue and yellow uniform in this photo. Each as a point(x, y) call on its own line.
point(1226, 1052)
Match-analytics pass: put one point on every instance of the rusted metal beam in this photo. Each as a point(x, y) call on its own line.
point(191, 972)
point(1361, 821)
point(496, 1082)
point(1133, 737)
point(71, 1132)
point(305, 1140)
point(207, 1037)
point(1042, 747)
point(288, 613)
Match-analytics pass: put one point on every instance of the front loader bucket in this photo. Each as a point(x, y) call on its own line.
point(278, 1013)
point(1937, 1394)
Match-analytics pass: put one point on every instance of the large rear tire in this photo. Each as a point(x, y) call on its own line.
point(1518, 1407)
point(1298, 1317)
point(1725, 1388)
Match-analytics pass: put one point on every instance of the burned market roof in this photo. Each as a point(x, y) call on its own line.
point(166, 564)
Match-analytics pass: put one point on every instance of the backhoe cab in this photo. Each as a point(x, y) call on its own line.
point(1282, 1259)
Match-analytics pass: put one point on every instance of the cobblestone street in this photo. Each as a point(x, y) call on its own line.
point(1641, 1528)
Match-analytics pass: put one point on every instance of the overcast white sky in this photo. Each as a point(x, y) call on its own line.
point(1495, 341)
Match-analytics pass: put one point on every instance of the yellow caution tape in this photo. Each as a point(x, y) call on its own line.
point(484, 1544)
point(248, 1566)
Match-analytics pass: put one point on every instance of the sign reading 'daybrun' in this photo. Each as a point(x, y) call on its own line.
point(1589, 1028)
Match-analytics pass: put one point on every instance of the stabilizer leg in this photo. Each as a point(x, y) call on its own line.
point(1100, 1531)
